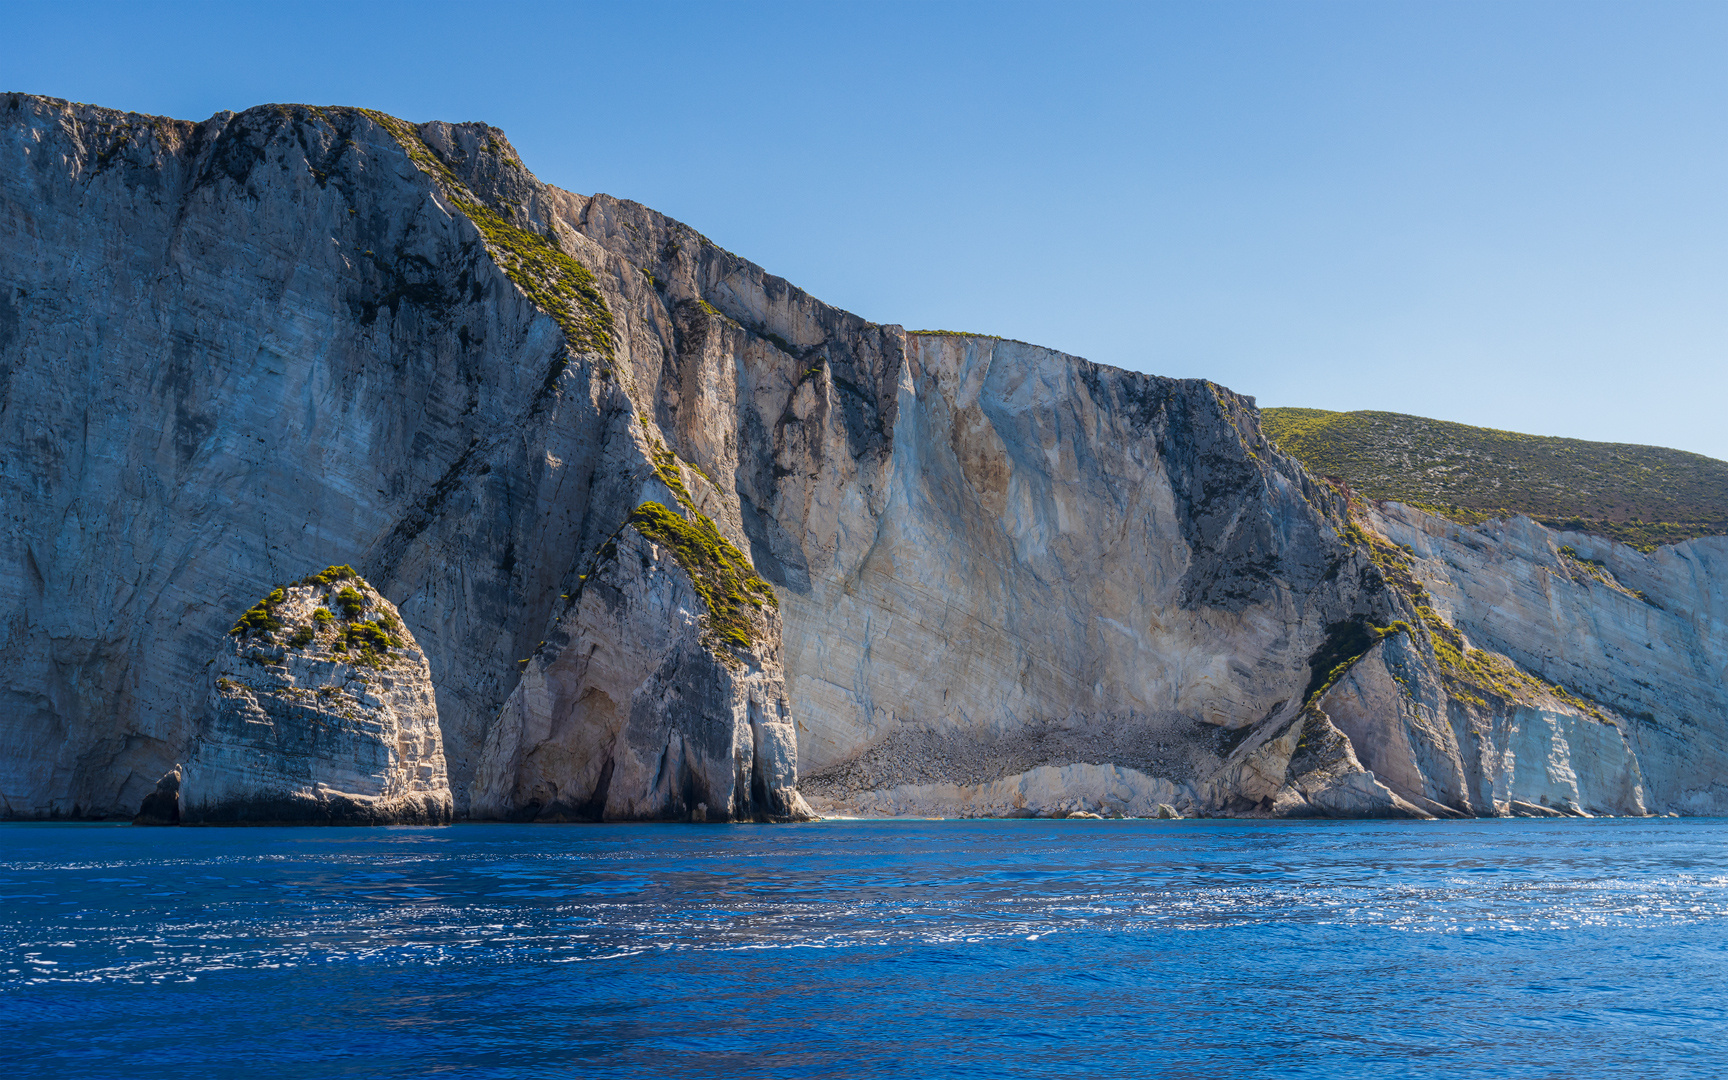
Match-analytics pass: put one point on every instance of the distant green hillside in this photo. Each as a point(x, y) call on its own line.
point(1640, 495)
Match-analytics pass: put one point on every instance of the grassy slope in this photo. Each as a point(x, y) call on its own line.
point(1640, 495)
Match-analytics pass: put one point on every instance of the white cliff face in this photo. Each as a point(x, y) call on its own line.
point(1055, 542)
point(1456, 753)
point(631, 712)
point(1655, 665)
point(1008, 580)
point(1043, 564)
point(320, 711)
point(229, 351)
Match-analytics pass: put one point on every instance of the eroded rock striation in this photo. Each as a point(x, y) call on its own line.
point(683, 542)
point(1628, 651)
point(641, 705)
point(320, 711)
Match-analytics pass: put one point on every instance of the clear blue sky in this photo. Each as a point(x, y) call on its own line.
point(1511, 214)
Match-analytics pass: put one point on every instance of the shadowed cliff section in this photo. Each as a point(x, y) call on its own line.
point(231, 349)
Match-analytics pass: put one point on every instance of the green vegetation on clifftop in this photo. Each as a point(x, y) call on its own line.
point(1644, 496)
point(555, 282)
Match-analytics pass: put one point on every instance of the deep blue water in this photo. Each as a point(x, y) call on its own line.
point(905, 949)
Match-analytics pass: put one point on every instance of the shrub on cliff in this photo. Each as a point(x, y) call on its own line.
point(1644, 496)
point(350, 602)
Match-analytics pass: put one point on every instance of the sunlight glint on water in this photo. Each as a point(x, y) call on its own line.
point(1014, 948)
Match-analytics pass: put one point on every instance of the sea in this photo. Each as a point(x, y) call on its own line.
point(1033, 948)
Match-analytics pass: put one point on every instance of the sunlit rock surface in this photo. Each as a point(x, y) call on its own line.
point(1006, 579)
point(320, 711)
point(1644, 637)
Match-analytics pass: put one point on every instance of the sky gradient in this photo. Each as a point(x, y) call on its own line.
point(1507, 214)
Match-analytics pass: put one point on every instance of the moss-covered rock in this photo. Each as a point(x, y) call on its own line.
point(719, 572)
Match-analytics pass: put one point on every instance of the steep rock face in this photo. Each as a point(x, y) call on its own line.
point(1010, 556)
point(1457, 753)
point(232, 347)
point(1005, 577)
point(1059, 552)
point(1640, 639)
point(320, 711)
point(317, 329)
point(631, 711)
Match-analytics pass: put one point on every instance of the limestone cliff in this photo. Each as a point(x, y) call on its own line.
point(320, 711)
point(1061, 564)
point(677, 539)
point(234, 347)
point(627, 713)
point(1628, 650)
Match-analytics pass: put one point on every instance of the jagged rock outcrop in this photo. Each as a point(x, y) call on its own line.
point(1463, 752)
point(162, 806)
point(1637, 644)
point(638, 706)
point(320, 711)
point(999, 578)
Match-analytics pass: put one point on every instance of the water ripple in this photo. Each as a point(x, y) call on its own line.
point(852, 948)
